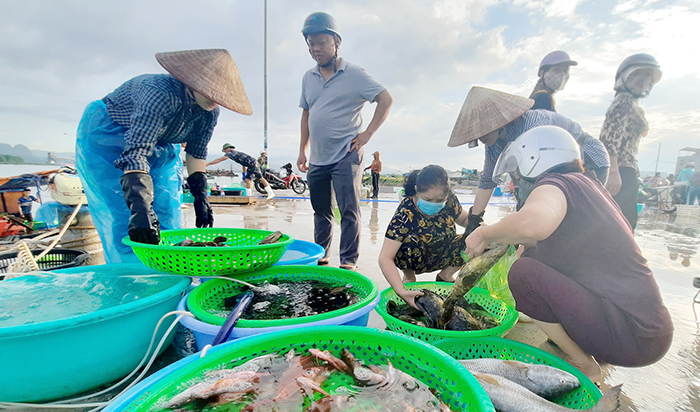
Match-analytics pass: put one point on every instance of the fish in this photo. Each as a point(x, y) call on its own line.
point(431, 305)
point(363, 375)
point(397, 311)
point(412, 321)
point(332, 360)
point(544, 380)
point(214, 385)
point(463, 320)
point(331, 404)
point(468, 275)
point(508, 396)
point(271, 238)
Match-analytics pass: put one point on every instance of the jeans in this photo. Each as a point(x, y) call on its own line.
point(345, 179)
point(375, 185)
point(693, 195)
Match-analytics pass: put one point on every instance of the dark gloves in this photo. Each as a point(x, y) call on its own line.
point(474, 221)
point(138, 193)
point(202, 210)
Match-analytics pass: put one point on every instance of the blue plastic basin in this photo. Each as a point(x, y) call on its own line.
point(79, 328)
point(301, 252)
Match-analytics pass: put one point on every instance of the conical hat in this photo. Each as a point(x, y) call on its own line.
point(484, 111)
point(212, 73)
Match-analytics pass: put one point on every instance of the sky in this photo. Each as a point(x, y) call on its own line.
point(58, 55)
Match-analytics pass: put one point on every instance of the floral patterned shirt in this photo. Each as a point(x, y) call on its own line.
point(409, 224)
point(623, 128)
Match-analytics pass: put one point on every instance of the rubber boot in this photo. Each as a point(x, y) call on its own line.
point(270, 193)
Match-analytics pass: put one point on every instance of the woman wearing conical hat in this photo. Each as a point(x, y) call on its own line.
point(496, 118)
point(128, 146)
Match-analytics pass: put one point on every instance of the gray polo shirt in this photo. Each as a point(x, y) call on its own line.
point(335, 109)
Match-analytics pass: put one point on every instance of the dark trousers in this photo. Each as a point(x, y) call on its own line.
point(375, 185)
point(345, 179)
point(626, 198)
point(594, 323)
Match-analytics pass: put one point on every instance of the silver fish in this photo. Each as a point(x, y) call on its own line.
point(543, 380)
point(508, 396)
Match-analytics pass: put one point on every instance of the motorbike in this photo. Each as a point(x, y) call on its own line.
point(292, 180)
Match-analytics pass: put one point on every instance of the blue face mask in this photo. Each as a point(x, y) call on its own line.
point(430, 208)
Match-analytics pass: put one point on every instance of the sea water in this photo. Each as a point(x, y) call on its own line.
point(45, 296)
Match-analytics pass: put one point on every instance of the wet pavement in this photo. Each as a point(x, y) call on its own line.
point(670, 248)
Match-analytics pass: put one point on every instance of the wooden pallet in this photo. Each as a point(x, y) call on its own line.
point(232, 200)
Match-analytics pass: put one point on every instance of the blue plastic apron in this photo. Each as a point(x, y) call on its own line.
point(99, 143)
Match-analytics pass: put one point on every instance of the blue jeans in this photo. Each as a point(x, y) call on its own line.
point(346, 179)
point(693, 195)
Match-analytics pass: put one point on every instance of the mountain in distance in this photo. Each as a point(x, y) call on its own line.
point(35, 156)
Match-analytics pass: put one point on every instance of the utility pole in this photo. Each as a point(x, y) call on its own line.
point(265, 82)
point(656, 168)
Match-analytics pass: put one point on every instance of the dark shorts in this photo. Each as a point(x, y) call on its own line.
point(253, 172)
point(596, 325)
point(28, 217)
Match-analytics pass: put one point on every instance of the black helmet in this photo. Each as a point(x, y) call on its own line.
point(639, 59)
point(320, 22)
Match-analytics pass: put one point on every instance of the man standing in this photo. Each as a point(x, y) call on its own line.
point(250, 168)
point(376, 168)
point(332, 97)
point(684, 176)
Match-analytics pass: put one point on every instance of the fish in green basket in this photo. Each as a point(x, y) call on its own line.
point(431, 304)
point(463, 320)
point(468, 275)
point(508, 396)
point(544, 380)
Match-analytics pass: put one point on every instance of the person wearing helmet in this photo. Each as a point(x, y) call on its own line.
point(624, 127)
point(262, 160)
point(553, 75)
point(684, 176)
point(129, 143)
point(333, 94)
point(582, 277)
point(496, 118)
point(250, 167)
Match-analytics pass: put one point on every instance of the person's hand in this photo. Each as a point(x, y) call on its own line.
point(144, 226)
point(204, 217)
point(614, 182)
point(301, 163)
point(474, 221)
point(360, 140)
point(475, 243)
point(409, 296)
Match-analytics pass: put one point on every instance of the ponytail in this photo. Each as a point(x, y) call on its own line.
point(409, 183)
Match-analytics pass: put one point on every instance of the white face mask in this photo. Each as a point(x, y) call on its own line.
point(555, 80)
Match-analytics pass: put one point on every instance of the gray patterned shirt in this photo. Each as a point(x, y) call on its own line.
point(623, 128)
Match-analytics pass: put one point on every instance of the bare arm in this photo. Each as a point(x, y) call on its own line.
point(481, 200)
point(213, 162)
point(463, 218)
point(541, 215)
point(614, 182)
point(304, 143)
point(384, 101)
point(391, 272)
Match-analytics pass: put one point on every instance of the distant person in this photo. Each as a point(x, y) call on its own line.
point(694, 189)
point(376, 168)
point(553, 75)
point(496, 118)
point(332, 96)
point(25, 204)
point(422, 235)
point(250, 167)
point(624, 127)
point(262, 160)
point(670, 180)
point(655, 180)
point(684, 176)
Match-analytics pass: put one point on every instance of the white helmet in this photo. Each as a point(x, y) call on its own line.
point(537, 151)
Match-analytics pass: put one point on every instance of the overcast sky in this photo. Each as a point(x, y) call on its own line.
point(58, 55)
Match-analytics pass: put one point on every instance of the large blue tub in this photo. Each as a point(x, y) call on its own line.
point(80, 328)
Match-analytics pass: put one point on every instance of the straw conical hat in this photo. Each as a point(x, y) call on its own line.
point(484, 111)
point(212, 73)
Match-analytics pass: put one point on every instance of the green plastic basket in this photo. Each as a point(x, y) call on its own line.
point(504, 314)
point(206, 301)
point(455, 385)
point(498, 348)
point(242, 253)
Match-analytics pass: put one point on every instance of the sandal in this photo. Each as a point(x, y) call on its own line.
point(324, 262)
point(349, 267)
point(439, 279)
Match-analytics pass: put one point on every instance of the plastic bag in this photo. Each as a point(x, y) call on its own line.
point(496, 279)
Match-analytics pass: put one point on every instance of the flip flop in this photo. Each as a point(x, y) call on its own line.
point(323, 262)
point(349, 267)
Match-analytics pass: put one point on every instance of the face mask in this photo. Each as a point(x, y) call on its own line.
point(430, 208)
point(555, 81)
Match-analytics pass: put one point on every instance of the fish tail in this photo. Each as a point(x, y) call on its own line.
point(610, 400)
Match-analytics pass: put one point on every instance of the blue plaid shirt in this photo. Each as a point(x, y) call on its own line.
point(592, 147)
point(155, 109)
point(241, 158)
